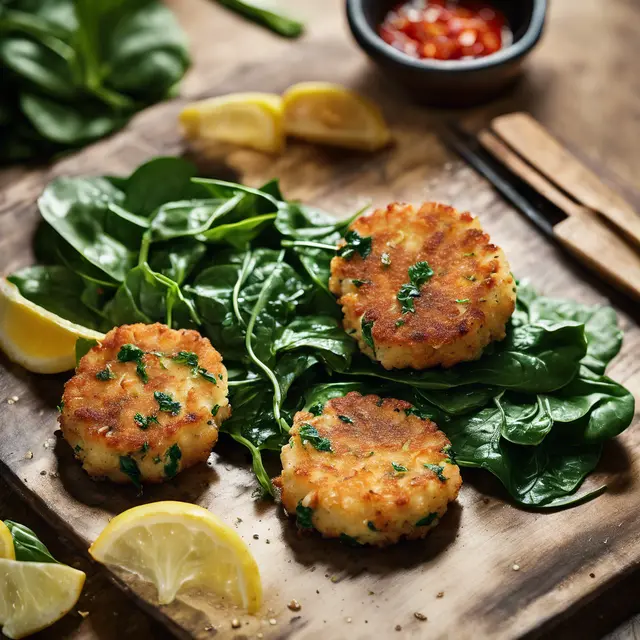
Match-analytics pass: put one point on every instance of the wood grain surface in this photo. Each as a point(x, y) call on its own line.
point(568, 560)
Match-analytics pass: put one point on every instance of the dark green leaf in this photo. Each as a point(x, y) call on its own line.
point(398, 468)
point(304, 517)
point(26, 544)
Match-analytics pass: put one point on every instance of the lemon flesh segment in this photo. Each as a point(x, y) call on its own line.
point(332, 114)
point(34, 595)
point(7, 550)
point(35, 338)
point(245, 119)
point(175, 545)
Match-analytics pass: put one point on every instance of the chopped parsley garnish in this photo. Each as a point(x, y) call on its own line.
point(355, 244)
point(349, 540)
point(316, 409)
point(309, 433)
point(167, 403)
point(187, 357)
point(467, 255)
point(463, 301)
point(471, 278)
point(60, 407)
point(448, 451)
point(172, 460)
point(419, 273)
point(427, 520)
point(437, 469)
point(77, 448)
point(367, 333)
point(106, 374)
point(157, 460)
point(129, 467)
point(371, 526)
point(358, 283)
point(400, 323)
point(385, 258)
point(214, 411)
point(144, 448)
point(346, 419)
point(131, 353)
point(207, 375)
point(144, 423)
point(304, 517)
point(398, 468)
point(191, 360)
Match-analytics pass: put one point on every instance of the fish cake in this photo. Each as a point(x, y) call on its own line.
point(145, 403)
point(456, 290)
point(367, 470)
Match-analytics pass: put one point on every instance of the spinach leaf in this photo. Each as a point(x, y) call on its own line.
point(158, 182)
point(77, 208)
point(177, 259)
point(532, 358)
point(59, 290)
point(318, 395)
point(238, 234)
point(604, 337)
point(26, 544)
point(601, 407)
point(320, 333)
point(460, 400)
point(537, 476)
point(526, 420)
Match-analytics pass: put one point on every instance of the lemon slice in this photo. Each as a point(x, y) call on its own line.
point(332, 114)
point(245, 119)
point(6, 543)
point(36, 338)
point(34, 595)
point(175, 545)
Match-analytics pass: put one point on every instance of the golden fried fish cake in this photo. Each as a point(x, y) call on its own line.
point(145, 403)
point(368, 469)
point(457, 290)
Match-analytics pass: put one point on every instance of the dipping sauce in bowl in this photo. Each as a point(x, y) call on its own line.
point(445, 29)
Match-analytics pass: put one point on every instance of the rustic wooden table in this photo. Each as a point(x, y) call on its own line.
point(583, 83)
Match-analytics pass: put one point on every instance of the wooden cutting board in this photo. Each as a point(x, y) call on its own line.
point(463, 577)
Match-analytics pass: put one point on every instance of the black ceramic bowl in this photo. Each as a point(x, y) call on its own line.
point(451, 82)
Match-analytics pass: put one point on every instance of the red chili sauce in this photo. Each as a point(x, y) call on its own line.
point(445, 29)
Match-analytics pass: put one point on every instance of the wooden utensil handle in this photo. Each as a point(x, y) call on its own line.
point(534, 143)
point(601, 250)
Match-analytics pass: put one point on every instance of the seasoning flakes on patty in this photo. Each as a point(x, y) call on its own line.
point(422, 287)
point(145, 404)
point(367, 470)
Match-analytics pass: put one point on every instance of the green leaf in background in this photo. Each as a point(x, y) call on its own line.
point(526, 420)
point(257, 12)
point(76, 70)
point(26, 544)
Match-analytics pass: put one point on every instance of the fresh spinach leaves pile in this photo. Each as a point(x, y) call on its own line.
point(250, 271)
point(74, 71)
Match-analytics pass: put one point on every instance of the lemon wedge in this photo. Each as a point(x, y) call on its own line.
point(246, 119)
point(35, 338)
point(332, 114)
point(6, 543)
point(34, 595)
point(175, 545)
